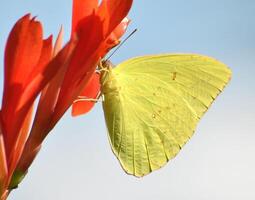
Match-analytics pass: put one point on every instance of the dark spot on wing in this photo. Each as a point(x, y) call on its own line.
point(174, 76)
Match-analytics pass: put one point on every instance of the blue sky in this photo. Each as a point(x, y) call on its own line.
point(76, 161)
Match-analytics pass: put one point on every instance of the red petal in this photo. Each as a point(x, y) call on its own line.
point(91, 91)
point(31, 86)
point(82, 9)
point(121, 28)
point(69, 92)
point(20, 143)
point(22, 53)
point(23, 50)
point(114, 37)
point(112, 12)
point(3, 161)
point(59, 42)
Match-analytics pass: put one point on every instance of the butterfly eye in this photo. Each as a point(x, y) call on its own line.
point(107, 64)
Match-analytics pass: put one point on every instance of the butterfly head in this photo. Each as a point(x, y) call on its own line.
point(107, 64)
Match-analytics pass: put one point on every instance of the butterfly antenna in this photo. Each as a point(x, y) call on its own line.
point(121, 44)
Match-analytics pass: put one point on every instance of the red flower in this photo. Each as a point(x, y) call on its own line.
point(26, 55)
point(94, 27)
point(25, 74)
point(60, 75)
point(27, 69)
point(91, 90)
point(94, 31)
point(83, 104)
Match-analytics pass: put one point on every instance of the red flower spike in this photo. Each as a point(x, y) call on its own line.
point(24, 48)
point(91, 91)
point(92, 33)
point(60, 76)
point(78, 63)
point(46, 105)
point(27, 71)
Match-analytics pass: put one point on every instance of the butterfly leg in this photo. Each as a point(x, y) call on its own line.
point(84, 98)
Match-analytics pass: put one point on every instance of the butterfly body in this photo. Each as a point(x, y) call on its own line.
point(152, 105)
point(108, 79)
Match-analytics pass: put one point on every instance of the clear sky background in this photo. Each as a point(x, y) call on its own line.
point(218, 163)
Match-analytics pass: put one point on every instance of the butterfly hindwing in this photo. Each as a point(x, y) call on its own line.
point(156, 104)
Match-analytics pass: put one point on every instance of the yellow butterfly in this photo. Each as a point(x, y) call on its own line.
point(152, 105)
